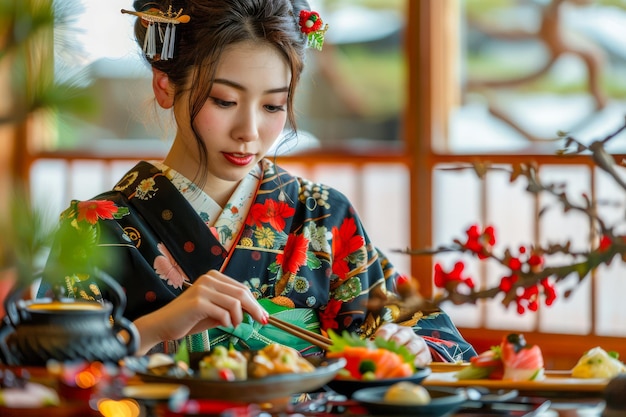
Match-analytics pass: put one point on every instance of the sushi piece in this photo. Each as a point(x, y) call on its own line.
point(487, 365)
point(522, 362)
point(224, 365)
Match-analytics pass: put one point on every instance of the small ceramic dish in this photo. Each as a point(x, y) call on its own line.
point(254, 390)
point(443, 402)
point(348, 386)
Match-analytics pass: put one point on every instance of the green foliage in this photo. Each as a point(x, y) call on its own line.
point(26, 236)
point(340, 341)
point(182, 354)
point(31, 30)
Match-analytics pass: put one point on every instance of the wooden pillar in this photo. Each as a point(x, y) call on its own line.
point(432, 50)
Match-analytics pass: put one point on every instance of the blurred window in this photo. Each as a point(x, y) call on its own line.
point(529, 69)
point(351, 95)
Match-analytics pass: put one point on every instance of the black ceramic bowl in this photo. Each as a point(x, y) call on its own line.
point(347, 387)
point(443, 402)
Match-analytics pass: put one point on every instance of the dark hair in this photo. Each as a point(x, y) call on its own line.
point(215, 25)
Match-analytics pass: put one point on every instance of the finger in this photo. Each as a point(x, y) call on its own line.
point(386, 330)
point(424, 358)
point(224, 309)
point(403, 336)
point(227, 285)
point(217, 302)
point(416, 346)
point(421, 351)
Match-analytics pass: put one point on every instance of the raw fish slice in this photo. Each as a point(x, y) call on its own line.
point(521, 362)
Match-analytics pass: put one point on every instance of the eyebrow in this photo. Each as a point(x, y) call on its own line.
point(242, 88)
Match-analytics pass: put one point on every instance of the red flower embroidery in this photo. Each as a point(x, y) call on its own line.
point(92, 210)
point(272, 212)
point(294, 255)
point(310, 21)
point(328, 316)
point(345, 242)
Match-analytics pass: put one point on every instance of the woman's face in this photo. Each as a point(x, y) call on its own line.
point(245, 112)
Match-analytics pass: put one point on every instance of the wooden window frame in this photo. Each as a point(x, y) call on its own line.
point(431, 47)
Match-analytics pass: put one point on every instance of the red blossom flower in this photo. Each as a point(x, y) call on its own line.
point(480, 242)
point(272, 212)
point(345, 242)
point(515, 264)
point(92, 210)
point(605, 243)
point(528, 299)
point(328, 316)
point(406, 286)
point(535, 260)
point(549, 291)
point(310, 21)
point(442, 278)
point(294, 254)
point(402, 280)
point(506, 283)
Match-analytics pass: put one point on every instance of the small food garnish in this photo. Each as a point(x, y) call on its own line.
point(368, 360)
point(17, 391)
point(598, 363)
point(162, 364)
point(513, 359)
point(487, 365)
point(224, 364)
point(407, 393)
point(278, 359)
point(522, 362)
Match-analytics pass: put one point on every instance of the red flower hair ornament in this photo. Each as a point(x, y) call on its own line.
point(313, 27)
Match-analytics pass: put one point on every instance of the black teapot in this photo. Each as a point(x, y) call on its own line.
point(36, 331)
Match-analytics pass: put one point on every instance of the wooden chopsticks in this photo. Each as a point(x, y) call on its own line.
point(304, 334)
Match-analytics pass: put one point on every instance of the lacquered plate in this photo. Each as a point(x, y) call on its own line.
point(442, 403)
point(555, 382)
point(255, 390)
point(347, 387)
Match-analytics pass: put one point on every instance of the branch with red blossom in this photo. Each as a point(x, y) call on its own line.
point(529, 279)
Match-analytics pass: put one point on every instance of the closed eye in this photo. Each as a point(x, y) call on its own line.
point(222, 103)
point(274, 109)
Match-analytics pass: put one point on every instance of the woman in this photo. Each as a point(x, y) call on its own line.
point(211, 240)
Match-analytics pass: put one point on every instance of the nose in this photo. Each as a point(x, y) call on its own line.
point(246, 127)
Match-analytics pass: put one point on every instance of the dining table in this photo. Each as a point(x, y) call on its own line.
point(118, 391)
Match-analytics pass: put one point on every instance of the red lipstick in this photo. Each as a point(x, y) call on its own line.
point(239, 159)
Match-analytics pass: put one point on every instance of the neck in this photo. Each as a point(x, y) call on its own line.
point(188, 165)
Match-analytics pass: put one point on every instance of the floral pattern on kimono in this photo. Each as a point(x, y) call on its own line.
point(301, 246)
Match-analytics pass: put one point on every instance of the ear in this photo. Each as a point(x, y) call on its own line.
point(163, 90)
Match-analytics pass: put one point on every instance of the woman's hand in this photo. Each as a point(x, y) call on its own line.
point(213, 300)
point(405, 336)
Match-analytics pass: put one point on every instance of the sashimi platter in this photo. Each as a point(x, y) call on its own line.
point(516, 365)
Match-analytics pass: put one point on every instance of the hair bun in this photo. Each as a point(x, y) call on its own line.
point(143, 5)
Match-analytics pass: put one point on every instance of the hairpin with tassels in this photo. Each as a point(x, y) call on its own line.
point(153, 19)
point(311, 25)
